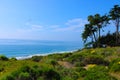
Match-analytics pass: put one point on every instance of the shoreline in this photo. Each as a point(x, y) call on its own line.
point(44, 54)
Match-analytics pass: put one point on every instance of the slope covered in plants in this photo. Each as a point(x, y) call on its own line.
point(86, 64)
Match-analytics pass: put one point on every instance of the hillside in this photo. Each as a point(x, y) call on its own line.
point(86, 64)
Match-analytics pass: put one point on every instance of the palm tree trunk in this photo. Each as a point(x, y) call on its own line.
point(99, 33)
point(94, 44)
point(117, 31)
point(98, 36)
point(94, 37)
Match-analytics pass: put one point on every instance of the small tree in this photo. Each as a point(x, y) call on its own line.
point(115, 17)
point(93, 29)
point(89, 31)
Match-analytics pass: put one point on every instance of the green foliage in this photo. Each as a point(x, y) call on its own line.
point(94, 60)
point(115, 65)
point(36, 58)
point(13, 58)
point(115, 17)
point(1, 69)
point(68, 73)
point(92, 29)
point(75, 58)
point(51, 75)
point(99, 73)
point(85, 64)
point(9, 77)
point(54, 63)
point(108, 40)
point(33, 73)
point(59, 56)
point(4, 58)
point(82, 71)
point(24, 76)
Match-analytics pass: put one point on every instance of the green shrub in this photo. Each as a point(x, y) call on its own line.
point(51, 75)
point(66, 55)
point(24, 76)
point(36, 58)
point(13, 58)
point(78, 64)
point(53, 62)
point(27, 73)
point(95, 60)
point(98, 73)
point(9, 77)
point(36, 72)
point(16, 73)
point(81, 71)
point(40, 78)
point(4, 58)
point(1, 69)
point(115, 65)
point(67, 78)
point(71, 73)
point(75, 58)
point(25, 68)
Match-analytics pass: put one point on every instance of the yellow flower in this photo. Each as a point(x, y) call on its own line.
point(91, 66)
point(93, 51)
point(106, 67)
point(119, 62)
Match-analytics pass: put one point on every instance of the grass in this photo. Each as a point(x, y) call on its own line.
point(103, 63)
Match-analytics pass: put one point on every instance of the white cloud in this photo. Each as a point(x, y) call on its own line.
point(37, 27)
point(77, 21)
point(54, 26)
point(73, 25)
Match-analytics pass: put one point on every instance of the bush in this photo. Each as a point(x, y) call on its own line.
point(4, 58)
point(33, 73)
point(68, 73)
point(8, 77)
point(25, 68)
point(95, 60)
point(53, 62)
point(75, 58)
point(24, 76)
point(51, 75)
point(36, 58)
point(13, 58)
point(1, 69)
point(81, 71)
point(78, 64)
point(115, 65)
point(98, 73)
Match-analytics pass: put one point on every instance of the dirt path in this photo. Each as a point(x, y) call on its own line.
point(66, 64)
point(116, 75)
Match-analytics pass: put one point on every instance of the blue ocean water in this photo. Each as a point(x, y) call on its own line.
point(27, 48)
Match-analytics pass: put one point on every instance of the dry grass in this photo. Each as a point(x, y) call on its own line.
point(116, 75)
point(66, 64)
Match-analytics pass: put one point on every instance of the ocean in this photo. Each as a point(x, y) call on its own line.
point(27, 48)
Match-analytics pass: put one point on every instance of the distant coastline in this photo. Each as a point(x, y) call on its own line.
point(44, 54)
point(22, 49)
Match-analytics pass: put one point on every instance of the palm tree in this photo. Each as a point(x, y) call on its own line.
point(115, 16)
point(89, 31)
point(100, 22)
point(96, 22)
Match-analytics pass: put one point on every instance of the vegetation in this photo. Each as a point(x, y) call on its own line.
point(96, 23)
point(86, 64)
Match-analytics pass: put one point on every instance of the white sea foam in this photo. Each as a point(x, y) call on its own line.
point(45, 54)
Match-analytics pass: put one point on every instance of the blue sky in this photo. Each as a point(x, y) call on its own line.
point(60, 20)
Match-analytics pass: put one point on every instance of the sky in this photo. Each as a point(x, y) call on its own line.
point(59, 20)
